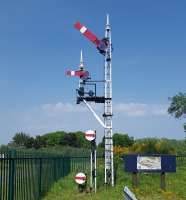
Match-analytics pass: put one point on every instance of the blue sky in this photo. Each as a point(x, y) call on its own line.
point(38, 44)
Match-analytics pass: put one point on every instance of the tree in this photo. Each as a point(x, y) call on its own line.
point(53, 138)
point(119, 139)
point(39, 142)
point(20, 139)
point(84, 143)
point(102, 143)
point(122, 140)
point(153, 146)
point(177, 107)
point(147, 145)
point(29, 143)
point(70, 139)
point(164, 146)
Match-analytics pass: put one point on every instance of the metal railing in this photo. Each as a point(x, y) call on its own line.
point(28, 176)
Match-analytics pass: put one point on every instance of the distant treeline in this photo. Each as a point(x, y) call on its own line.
point(59, 138)
point(76, 142)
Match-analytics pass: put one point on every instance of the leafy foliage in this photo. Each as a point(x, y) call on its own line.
point(177, 107)
point(70, 139)
point(20, 139)
point(153, 146)
point(39, 142)
point(122, 140)
point(74, 143)
point(59, 138)
point(119, 139)
point(53, 138)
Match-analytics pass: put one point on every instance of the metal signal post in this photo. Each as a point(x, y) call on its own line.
point(109, 165)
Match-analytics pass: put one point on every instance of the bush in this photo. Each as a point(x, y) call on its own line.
point(153, 146)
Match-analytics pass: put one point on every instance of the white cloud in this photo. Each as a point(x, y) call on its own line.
point(140, 109)
point(60, 108)
point(128, 109)
point(136, 119)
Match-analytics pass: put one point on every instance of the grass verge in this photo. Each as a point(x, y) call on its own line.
point(66, 189)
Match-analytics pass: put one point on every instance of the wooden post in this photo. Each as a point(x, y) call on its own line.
point(162, 181)
point(135, 179)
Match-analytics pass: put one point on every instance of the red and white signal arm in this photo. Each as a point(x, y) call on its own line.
point(80, 178)
point(90, 135)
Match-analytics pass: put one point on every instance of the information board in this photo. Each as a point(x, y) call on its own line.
point(149, 163)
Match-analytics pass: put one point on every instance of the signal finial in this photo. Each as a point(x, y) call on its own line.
point(108, 23)
point(108, 20)
point(81, 65)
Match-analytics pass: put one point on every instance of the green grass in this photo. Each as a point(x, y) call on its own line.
point(66, 188)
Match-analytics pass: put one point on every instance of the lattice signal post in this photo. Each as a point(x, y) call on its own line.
point(104, 47)
point(109, 165)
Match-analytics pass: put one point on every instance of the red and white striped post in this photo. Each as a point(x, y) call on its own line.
point(90, 135)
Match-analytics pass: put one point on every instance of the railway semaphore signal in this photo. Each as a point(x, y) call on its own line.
point(81, 72)
point(101, 45)
point(83, 95)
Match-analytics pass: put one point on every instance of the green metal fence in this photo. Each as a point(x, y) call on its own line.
point(28, 176)
point(79, 163)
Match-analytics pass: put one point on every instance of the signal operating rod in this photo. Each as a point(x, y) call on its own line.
point(94, 113)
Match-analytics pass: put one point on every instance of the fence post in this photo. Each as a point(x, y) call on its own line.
point(40, 175)
point(55, 176)
point(69, 165)
point(11, 176)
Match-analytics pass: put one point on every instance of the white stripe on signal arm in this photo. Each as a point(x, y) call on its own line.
point(72, 73)
point(83, 29)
